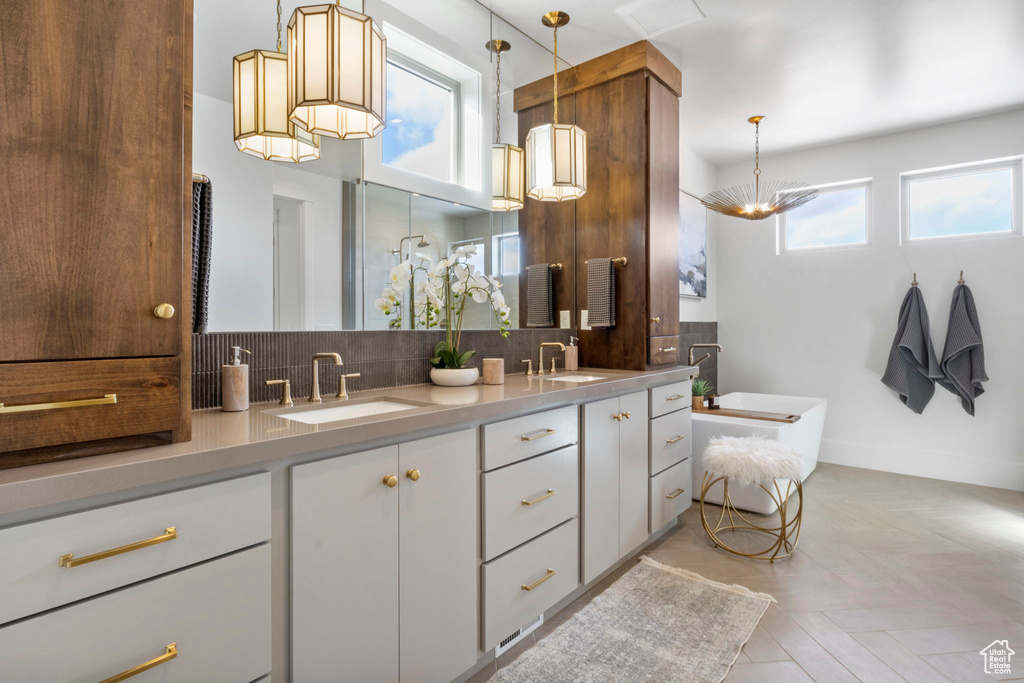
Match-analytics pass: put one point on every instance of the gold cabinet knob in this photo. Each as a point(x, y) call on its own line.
point(413, 474)
point(165, 311)
point(656, 319)
point(618, 417)
point(626, 415)
point(391, 481)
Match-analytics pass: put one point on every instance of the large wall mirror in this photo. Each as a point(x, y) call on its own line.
point(311, 246)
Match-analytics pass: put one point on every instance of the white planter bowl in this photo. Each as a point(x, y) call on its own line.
point(446, 377)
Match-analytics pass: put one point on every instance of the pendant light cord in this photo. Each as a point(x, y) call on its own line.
point(757, 164)
point(556, 74)
point(279, 25)
point(497, 132)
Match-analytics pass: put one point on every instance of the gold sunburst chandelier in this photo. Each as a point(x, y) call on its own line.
point(760, 199)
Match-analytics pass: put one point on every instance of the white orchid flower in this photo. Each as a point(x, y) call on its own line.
point(497, 301)
point(401, 274)
point(466, 250)
point(441, 267)
point(425, 257)
point(382, 306)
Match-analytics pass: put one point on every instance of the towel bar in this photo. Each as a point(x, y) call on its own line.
point(620, 260)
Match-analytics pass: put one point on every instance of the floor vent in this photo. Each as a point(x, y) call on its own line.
point(510, 640)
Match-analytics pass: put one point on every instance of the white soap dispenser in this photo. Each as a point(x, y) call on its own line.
point(234, 383)
point(572, 355)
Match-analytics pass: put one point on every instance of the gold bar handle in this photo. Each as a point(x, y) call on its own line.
point(539, 435)
point(674, 494)
point(550, 493)
point(170, 653)
point(679, 437)
point(551, 572)
point(170, 533)
point(674, 398)
point(107, 399)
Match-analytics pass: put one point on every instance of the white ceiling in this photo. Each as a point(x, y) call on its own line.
point(820, 70)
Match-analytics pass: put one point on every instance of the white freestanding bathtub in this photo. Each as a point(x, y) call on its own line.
point(804, 436)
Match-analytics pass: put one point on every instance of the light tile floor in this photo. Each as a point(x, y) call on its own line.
point(895, 578)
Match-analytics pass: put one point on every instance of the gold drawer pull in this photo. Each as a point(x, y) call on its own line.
point(668, 349)
point(171, 653)
point(551, 572)
point(674, 398)
point(547, 495)
point(169, 534)
point(539, 435)
point(107, 399)
point(679, 437)
point(674, 494)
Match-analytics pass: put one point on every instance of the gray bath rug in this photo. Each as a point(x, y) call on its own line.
point(656, 623)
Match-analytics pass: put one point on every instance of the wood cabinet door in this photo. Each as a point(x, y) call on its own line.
point(632, 472)
point(600, 487)
point(438, 541)
point(344, 569)
point(93, 115)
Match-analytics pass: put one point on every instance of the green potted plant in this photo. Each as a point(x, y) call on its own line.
point(700, 389)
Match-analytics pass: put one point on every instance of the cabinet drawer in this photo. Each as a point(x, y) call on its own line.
point(217, 615)
point(507, 603)
point(549, 483)
point(522, 437)
point(667, 448)
point(670, 494)
point(663, 350)
point(102, 399)
point(209, 521)
point(669, 398)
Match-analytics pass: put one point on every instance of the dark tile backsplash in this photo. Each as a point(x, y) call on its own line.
point(701, 333)
point(386, 358)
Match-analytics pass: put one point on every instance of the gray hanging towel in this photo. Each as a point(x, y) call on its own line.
point(963, 358)
point(912, 368)
point(601, 292)
point(202, 246)
point(539, 307)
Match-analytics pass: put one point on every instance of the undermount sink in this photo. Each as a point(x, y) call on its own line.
point(320, 414)
point(575, 378)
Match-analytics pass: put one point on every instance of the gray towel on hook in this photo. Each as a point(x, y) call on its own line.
point(539, 306)
point(912, 368)
point(600, 292)
point(963, 358)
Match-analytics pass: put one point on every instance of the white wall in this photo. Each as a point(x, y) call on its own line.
point(698, 176)
point(821, 324)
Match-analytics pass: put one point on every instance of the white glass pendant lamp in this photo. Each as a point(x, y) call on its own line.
point(262, 128)
point(507, 161)
point(556, 153)
point(336, 72)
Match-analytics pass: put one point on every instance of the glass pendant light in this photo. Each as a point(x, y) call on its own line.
point(760, 199)
point(336, 72)
point(507, 161)
point(556, 153)
point(262, 128)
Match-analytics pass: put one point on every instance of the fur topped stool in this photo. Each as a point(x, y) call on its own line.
point(759, 462)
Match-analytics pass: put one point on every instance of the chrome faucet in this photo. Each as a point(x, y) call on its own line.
point(541, 363)
point(314, 397)
point(707, 355)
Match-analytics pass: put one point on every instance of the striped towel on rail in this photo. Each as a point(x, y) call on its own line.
point(912, 368)
point(539, 306)
point(963, 358)
point(601, 292)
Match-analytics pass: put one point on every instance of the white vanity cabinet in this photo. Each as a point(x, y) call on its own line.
point(615, 480)
point(384, 578)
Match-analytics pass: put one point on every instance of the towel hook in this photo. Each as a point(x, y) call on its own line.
point(914, 283)
point(556, 266)
point(961, 280)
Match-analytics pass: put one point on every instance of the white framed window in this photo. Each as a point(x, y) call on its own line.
point(966, 201)
point(839, 218)
point(506, 255)
point(424, 120)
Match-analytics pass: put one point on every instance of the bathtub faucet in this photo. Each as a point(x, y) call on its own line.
point(707, 355)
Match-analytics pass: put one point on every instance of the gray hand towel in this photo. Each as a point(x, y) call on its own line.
point(963, 358)
point(912, 368)
point(601, 292)
point(539, 307)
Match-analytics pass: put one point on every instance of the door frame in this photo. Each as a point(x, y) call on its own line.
point(304, 198)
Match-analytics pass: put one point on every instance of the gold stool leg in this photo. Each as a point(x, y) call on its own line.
point(784, 537)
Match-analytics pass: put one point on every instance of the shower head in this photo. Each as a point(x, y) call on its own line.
point(423, 243)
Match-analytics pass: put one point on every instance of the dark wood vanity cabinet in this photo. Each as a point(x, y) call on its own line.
point(628, 103)
point(96, 122)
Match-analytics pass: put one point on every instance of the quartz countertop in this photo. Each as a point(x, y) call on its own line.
point(226, 441)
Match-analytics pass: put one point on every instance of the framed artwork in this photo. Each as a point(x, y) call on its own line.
point(693, 246)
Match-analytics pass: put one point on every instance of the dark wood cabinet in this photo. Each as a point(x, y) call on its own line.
point(628, 103)
point(95, 118)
